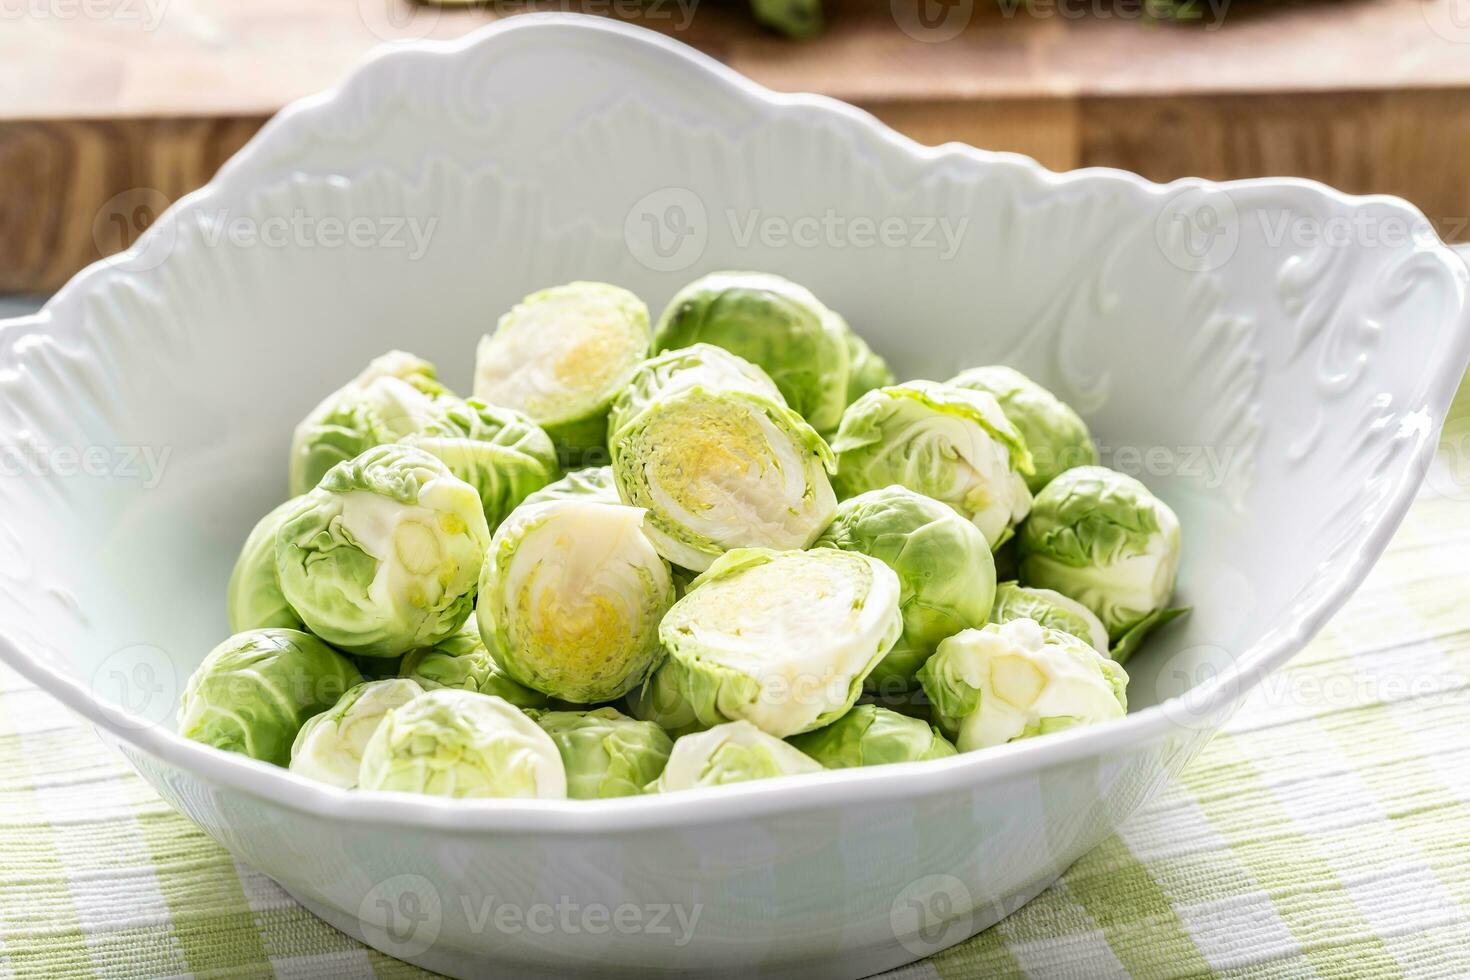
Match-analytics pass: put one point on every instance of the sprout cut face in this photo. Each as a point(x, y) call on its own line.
point(330, 745)
point(1017, 680)
point(396, 395)
point(872, 736)
point(1056, 436)
point(719, 468)
point(461, 744)
point(561, 355)
point(463, 662)
point(1052, 610)
point(253, 600)
point(605, 752)
point(945, 571)
point(254, 691)
point(735, 752)
point(1103, 539)
point(383, 556)
point(781, 639)
point(949, 443)
point(571, 598)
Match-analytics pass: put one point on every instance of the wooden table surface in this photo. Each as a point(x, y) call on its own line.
point(100, 97)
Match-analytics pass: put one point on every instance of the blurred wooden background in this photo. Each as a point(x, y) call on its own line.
point(106, 97)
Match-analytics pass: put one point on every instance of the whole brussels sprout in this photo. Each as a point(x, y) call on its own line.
point(1018, 679)
point(872, 736)
point(329, 746)
point(498, 451)
point(253, 599)
point(782, 639)
point(868, 370)
point(771, 322)
point(561, 355)
point(717, 464)
point(462, 744)
point(734, 752)
point(255, 690)
point(1101, 538)
point(1056, 436)
point(1052, 610)
point(945, 572)
point(571, 598)
point(593, 482)
point(383, 555)
point(463, 662)
point(397, 394)
point(949, 443)
point(661, 700)
point(605, 752)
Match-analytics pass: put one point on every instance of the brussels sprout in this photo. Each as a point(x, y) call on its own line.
point(254, 691)
point(1101, 538)
point(383, 555)
point(605, 752)
point(462, 744)
point(1052, 610)
point(571, 597)
point(868, 370)
point(397, 394)
point(593, 482)
point(734, 752)
point(717, 464)
point(794, 18)
point(561, 355)
point(329, 746)
point(463, 662)
point(1018, 679)
point(782, 639)
point(945, 573)
point(661, 700)
point(253, 599)
point(1054, 434)
point(872, 736)
point(498, 451)
point(772, 322)
point(948, 443)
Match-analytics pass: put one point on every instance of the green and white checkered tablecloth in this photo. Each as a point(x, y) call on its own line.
point(1324, 833)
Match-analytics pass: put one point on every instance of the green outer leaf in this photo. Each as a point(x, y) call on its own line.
point(592, 481)
point(863, 423)
point(871, 736)
point(254, 691)
point(1015, 601)
point(1056, 436)
point(462, 662)
point(868, 370)
point(662, 700)
point(253, 599)
point(1133, 638)
point(605, 752)
point(794, 18)
point(734, 752)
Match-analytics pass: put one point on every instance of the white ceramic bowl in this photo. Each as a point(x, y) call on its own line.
point(1283, 396)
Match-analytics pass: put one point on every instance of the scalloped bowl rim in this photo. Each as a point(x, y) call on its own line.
point(1209, 701)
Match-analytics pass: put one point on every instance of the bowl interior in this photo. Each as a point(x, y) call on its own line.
point(1275, 394)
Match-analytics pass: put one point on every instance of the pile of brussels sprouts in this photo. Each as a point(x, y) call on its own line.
point(765, 557)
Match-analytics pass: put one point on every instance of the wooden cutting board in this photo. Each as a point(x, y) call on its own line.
point(107, 102)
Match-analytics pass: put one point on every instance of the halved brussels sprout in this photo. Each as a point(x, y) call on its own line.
point(253, 599)
point(383, 555)
point(329, 746)
point(872, 736)
point(771, 322)
point(255, 690)
point(782, 639)
point(1103, 539)
point(593, 482)
point(717, 465)
point(561, 355)
point(949, 443)
point(734, 752)
point(462, 744)
point(605, 752)
point(1056, 436)
point(397, 394)
point(1052, 610)
point(1018, 679)
point(945, 572)
point(498, 451)
point(571, 598)
point(463, 662)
